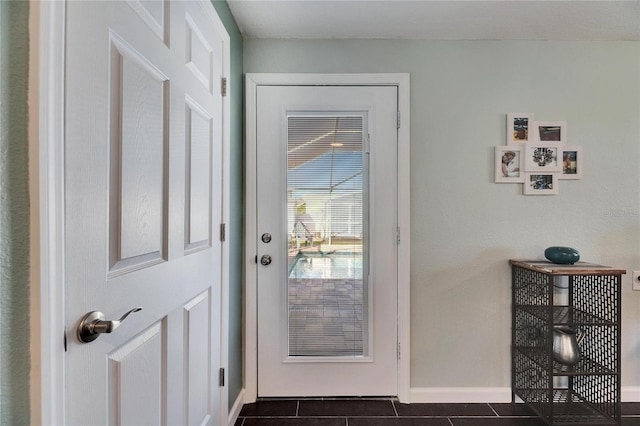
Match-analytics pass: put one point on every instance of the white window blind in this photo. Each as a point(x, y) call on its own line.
point(326, 216)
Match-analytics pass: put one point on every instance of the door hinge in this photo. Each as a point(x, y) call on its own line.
point(398, 121)
point(398, 235)
point(367, 144)
point(398, 350)
point(223, 86)
point(221, 377)
point(64, 339)
point(223, 232)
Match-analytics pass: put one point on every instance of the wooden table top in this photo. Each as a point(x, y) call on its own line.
point(578, 268)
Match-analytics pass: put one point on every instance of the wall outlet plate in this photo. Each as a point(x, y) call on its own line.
point(635, 284)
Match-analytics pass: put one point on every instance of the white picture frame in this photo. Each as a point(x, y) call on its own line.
point(548, 132)
point(543, 183)
point(543, 157)
point(518, 126)
point(571, 162)
point(509, 164)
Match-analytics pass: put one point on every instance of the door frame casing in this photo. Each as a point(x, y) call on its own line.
point(46, 139)
point(253, 80)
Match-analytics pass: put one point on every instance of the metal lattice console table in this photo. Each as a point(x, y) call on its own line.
point(582, 296)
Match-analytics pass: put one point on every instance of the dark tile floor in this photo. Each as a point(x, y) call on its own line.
point(386, 412)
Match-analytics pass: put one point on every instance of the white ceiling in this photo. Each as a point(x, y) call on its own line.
point(438, 19)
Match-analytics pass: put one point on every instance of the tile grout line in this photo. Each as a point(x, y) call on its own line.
point(492, 409)
point(297, 408)
point(450, 422)
point(393, 404)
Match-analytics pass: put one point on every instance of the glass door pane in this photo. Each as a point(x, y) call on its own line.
point(327, 233)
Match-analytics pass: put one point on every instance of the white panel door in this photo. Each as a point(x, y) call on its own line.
point(326, 240)
point(143, 205)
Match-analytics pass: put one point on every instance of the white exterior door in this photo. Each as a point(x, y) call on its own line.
point(326, 243)
point(143, 205)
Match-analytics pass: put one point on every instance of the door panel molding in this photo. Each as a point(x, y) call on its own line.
point(253, 80)
point(197, 343)
point(155, 19)
point(141, 358)
point(134, 80)
point(198, 142)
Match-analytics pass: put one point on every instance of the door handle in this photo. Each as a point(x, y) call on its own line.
point(93, 325)
point(265, 260)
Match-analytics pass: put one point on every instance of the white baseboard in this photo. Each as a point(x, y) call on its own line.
point(460, 395)
point(630, 393)
point(235, 409)
point(497, 394)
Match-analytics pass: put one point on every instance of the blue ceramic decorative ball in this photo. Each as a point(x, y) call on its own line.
point(562, 255)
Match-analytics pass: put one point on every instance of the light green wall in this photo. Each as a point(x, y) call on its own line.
point(235, 233)
point(14, 214)
point(464, 227)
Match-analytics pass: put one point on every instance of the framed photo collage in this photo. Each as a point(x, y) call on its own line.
point(537, 155)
